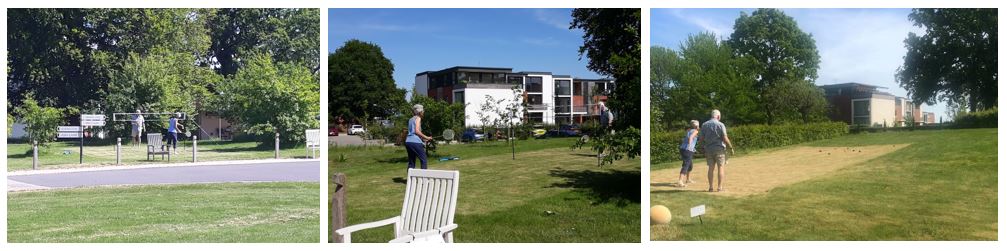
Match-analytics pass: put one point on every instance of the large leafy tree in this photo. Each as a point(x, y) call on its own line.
point(361, 84)
point(781, 51)
point(703, 75)
point(160, 82)
point(265, 97)
point(288, 35)
point(954, 60)
point(68, 55)
point(612, 46)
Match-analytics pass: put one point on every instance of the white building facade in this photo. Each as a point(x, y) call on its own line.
point(550, 99)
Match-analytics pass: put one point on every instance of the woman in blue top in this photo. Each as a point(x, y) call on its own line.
point(687, 149)
point(173, 129)
point(415, 138)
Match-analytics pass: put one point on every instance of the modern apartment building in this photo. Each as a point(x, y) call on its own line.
point(863, 104)
point(550, 99)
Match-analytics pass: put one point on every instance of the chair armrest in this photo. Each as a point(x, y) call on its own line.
point(346, 231)
point(438, 231)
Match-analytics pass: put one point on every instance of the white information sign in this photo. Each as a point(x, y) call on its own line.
point(698, 210)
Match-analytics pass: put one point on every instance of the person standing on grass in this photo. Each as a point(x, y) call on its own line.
point(137, 128)
point(173, 129)
point(687, 149)
point(415, 139)
point(606, 118)
point(713, 136)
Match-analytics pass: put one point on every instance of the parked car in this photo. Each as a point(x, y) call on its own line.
point(357, 130)
point(333, 131)
point(565, 131)
point(473, 134)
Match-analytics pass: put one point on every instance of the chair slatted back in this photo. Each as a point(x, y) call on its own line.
point(312, 138)
point(431, 198)
point(155, 139)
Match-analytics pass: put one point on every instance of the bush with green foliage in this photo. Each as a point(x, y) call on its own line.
point(40, 120)
point(664, 145)
point(981, 119)
point(266, 97)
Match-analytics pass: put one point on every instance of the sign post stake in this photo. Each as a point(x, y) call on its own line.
point(82, 140)
point(118, 146)
point(34, 154)
point(193, 148)
point(277, 154)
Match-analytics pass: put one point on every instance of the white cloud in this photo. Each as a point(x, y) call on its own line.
point(720, 28)
point(553, 17)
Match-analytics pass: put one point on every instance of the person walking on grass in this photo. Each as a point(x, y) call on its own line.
point(137, 120)
point(687, 149)
point(173, 128)
point(415, 139)
point(713, 136)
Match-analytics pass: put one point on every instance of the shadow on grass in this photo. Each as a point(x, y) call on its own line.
point(239, 149)
point(585, 155)
point(608, 186)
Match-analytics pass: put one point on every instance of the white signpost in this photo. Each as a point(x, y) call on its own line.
point(698, 211)
point(68, 132)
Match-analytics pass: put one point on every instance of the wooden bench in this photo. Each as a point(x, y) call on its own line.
point(155, 146)
point(313, 142)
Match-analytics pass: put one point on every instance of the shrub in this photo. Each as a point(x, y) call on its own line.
point(40, 120)
point(981, 119)
point(664, 145)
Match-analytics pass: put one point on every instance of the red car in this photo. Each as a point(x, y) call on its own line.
point(333, 131)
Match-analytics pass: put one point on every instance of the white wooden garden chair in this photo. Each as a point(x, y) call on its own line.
point(428, 210)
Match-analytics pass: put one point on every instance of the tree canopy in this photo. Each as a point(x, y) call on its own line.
point(157, 60)
point(612, 46)
point(781, 51)
point(954, 60)
point(361, 84)
point(768, 80)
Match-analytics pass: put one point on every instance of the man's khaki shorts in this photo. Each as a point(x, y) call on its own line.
point(716, 157)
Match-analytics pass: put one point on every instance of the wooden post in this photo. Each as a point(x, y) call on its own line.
point(277, 140)
point(34, 154)
point(338, 207)
point(194, 148)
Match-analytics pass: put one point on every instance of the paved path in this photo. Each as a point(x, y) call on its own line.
point(303, 171)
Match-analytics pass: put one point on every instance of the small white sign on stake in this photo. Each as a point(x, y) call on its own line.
point(698, 211)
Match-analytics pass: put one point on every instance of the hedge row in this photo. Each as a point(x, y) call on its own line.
point(980, 119)
point(664, 145)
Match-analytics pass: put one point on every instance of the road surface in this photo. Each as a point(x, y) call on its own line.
point(293, 171)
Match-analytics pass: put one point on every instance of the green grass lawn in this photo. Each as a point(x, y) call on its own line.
point(943, 186)
point(228, 212)
point(504, 200)
point(19, 154)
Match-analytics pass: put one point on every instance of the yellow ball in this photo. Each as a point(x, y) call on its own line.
point(659, 215)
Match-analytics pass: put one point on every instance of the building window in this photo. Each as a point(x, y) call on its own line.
point(533, 84)
point(562, 87)
point(563, 120)
point(463, 77)
point(563, 105)
point(459, 98)
point(535, 117)
point(515, 80)
point(861, 112)
point(578, 88)
point(535, 99)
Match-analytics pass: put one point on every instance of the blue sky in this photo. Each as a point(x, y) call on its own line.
point(855, 45)
point(418, 40)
